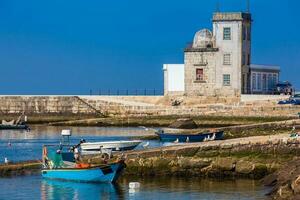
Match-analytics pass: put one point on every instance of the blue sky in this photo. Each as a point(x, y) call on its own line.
point(72, 46)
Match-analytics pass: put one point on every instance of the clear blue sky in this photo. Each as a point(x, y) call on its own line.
point(72, 46)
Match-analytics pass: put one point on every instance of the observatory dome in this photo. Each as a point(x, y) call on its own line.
point(203, 39)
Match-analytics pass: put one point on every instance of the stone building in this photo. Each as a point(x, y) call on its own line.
point(217, 63)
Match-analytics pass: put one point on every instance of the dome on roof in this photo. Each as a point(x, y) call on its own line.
point(203, 39)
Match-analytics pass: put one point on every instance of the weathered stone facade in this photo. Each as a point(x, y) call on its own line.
point(217, 64)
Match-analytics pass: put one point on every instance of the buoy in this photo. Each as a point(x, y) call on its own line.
point(176, 141)
point(134, 185)
point(5, 160)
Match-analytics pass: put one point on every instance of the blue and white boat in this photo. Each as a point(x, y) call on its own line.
point(61, 165)
point(187, 137)
point(104, 173)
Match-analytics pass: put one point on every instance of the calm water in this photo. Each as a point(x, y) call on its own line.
point(27, 145)
point(34, 187)
point(17, 145)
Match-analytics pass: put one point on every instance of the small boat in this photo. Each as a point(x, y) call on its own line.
point(20, 123)
point(102, 173)
point(63, 166)
point(14, 127)
point(200, 137)
point(111, 145)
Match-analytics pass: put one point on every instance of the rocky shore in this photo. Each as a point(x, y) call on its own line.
point(285, 182)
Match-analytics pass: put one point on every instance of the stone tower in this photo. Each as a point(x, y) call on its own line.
point(217, 63)
point(232, 32)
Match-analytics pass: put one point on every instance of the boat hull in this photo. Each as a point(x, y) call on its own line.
point(114, 146)
point(168, 137)
point(109, 173)
point(13, 127)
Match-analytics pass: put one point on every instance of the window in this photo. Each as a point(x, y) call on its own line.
point(226, 79)
point(259, 81)
point(270, 83)
point(254, 81)
point(226, 33)
point(264, 82)
point(227, 59)
point(199, 75)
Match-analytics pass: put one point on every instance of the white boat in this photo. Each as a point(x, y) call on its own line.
point(110, 145)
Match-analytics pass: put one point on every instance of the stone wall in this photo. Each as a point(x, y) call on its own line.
point(124, 106)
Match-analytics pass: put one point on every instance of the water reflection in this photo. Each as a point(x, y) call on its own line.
point(54, 189)
point(34, 187)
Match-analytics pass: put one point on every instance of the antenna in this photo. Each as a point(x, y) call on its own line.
point(248, 6)
point(218, 6)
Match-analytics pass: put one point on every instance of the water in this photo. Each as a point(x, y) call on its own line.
point(20, 145)
point(34, 187)
point(27, 146)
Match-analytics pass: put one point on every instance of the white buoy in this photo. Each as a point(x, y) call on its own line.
point(5, 160)
point(134, 185)
point(177, 140)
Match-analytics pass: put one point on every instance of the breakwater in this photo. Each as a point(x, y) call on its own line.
point(20, 168)
point(251, 157)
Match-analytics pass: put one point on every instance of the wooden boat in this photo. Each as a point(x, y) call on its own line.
point(102, 173)
point(192, 137)
point(63, 166)
point(122, 145)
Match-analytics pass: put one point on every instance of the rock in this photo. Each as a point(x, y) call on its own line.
point(244, 167)
point(225, 164)
point(296, 185)
point(270, 180)
point(184, 123)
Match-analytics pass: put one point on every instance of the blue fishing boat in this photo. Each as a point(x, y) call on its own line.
point(61, 165)
point(104, 173)
point(200, 137)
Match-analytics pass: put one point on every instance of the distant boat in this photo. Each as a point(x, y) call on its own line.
point(193, 137)
point(20, 123)
point(14, 127)
point(122, 145)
